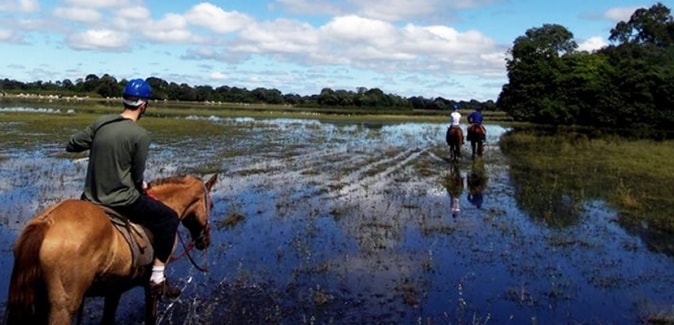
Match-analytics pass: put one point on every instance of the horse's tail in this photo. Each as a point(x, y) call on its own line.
point(27, 298)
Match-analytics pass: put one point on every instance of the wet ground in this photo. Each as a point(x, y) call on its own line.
point(364, 224)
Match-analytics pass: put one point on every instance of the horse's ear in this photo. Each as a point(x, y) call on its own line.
point(209, 184)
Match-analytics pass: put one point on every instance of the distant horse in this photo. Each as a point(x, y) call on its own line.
point(454, 139)
point(71, 250)
point(476, 135)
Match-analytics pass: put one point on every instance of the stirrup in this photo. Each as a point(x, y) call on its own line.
point(164, 289)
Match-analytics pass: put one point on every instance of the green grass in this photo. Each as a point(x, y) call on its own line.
point(556, 174)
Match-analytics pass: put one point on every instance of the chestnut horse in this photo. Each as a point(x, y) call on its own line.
point(454, 139)
point(476, 136)
point(71, 250)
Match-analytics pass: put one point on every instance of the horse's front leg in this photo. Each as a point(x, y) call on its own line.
point(150, 307)
point(110, 307)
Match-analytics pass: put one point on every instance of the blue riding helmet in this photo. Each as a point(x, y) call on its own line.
point(137, 88)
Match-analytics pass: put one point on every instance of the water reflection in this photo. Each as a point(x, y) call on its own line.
point(477, 182)
point(453, 183)
point(555, 184)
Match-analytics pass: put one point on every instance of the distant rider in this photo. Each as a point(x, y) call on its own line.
point(475, 119)
point(455, 117)
point(455, 121)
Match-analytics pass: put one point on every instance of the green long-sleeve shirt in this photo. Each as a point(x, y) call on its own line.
point(118, 149)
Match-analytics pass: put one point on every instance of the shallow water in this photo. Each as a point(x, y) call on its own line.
point(353, 223)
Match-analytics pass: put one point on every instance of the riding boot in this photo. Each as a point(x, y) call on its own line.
point(164, 289)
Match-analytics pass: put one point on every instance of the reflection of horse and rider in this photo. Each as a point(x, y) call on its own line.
point(453, 182)
point(476, 133)
point(476, 182)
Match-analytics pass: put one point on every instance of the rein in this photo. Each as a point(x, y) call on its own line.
point(186, 252)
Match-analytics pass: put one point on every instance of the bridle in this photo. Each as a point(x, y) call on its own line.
point(202, 237)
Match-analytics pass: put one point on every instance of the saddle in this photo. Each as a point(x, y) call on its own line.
point(138, 238)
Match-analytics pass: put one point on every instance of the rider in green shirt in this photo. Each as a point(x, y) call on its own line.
point(118, 149)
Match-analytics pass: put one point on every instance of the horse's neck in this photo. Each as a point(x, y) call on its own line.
point(174, 196)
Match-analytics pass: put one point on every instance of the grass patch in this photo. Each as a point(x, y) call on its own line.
point(556, 173)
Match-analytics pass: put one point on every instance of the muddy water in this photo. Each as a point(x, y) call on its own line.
point(365, 223)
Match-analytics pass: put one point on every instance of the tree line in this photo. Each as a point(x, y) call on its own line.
point(627, 83)
point(362, 98)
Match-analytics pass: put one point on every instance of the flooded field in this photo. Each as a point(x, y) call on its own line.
point(346, 223)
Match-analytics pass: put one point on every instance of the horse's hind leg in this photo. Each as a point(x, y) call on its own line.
point(63, 308)
point(65, 300)
point(59, 315)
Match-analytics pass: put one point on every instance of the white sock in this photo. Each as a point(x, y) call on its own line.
point(157, 274)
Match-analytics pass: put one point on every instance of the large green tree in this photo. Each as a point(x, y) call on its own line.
point(534, 72)
point(628, 83)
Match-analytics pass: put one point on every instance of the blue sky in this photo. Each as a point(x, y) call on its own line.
point(450, 48)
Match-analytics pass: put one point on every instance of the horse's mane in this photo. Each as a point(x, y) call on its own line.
point(179, 179)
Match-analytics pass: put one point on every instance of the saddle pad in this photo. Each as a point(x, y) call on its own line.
point(136, 236)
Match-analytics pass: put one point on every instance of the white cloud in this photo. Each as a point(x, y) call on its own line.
point(216, 75)
point(97, 3)
point(132, 19)
point(172, 28)
point(19, 5)
point(372, 44)
point(592, 44)
point(308, 7)
point(170, 35)
point(99, 39)
point(216, 19)
point(349, 29)
point(620, 13)
point(397, 9)
point(133, 13)
point(281, 35)
point(8, 36)
point(78, 14)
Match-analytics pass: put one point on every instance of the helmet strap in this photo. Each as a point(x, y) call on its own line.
point(142, 107)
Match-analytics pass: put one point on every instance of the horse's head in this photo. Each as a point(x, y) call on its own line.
point(196, 216)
